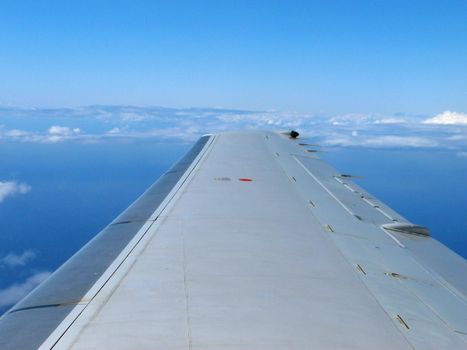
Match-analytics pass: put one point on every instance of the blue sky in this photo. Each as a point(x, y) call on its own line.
point(308, 56)
point(97, 99)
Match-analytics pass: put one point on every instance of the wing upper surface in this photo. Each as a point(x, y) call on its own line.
point(265, 246)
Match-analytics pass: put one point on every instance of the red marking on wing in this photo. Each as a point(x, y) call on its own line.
point(245, 179)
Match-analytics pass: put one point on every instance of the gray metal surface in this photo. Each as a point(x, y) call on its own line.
point(264, 246)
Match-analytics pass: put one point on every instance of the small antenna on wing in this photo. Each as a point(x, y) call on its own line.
point(294, 134)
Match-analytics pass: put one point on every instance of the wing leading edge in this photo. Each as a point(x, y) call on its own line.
point(68, 291)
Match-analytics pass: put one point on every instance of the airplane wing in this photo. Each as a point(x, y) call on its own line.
point(250, 242)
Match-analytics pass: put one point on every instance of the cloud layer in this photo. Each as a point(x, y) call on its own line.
point(14, 260)
point(93, 124)
point(11, 188)
point(448, 118)
point(14, 293)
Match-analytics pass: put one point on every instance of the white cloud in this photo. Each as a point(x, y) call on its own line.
point(14, 260)
point(60, 130)
point(399, 141)
point(462, 154)
point(57, 133)
point(14, 293)
point(448, 118)
point(11, 188)
point(113, 131)
point(385, 141)
point(350, 119)
point(364, 119)
point(390, 121)
point(264, 119)
point(128, 117)
point(16, 133)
